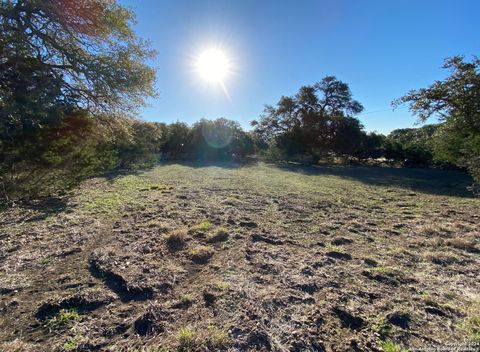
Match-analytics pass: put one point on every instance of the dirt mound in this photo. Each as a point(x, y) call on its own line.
point(126, 284)
point(150, 322)
point(82, 302)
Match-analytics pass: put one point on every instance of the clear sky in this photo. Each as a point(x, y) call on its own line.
point(381, 48)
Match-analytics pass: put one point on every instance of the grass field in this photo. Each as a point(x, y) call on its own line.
point(188, 257)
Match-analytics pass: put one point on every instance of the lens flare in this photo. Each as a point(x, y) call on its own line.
point(217, 136)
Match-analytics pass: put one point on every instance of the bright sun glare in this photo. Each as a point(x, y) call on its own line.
point(213, 66)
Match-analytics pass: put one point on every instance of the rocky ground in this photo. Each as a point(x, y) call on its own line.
point(245, 258)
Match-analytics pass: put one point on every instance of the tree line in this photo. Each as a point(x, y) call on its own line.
point(73, 73)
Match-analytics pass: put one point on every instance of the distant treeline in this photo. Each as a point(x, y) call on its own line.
point(45, 161)
point(72, 77)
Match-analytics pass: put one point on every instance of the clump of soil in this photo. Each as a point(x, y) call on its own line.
point(83, 302)
point(103, 265)
point(201, 254)
point(221, 235)
point(150, 322)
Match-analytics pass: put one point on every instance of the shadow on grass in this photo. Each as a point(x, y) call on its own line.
point(433, 181)
point(425, 180)
point(224, 164)
point(45, 207)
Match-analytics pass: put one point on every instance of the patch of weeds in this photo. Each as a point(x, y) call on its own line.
point(176, 238)
point(64, 317)
point(473, 328)
point(204, 225)
point(390, 346)
point(185, 338)
point(201, 254)
point(70, 345)
point(222, 285)
point(217, 338)
point(426, 295)
point(333, 248)
point(384, 330)
point(186, 299)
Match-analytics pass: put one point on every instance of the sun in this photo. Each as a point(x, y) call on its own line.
point(213, 65)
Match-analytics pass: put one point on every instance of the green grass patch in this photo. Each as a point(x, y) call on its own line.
point(185, 339)
point(70, 345)
point(204, 225)
point(472, 326)
point(384, 329)
point(63, 318)
point(111, 198)
point(333, 248)
point(217, 338)
point(390, 346)
point(222, 286)
point(186, 299)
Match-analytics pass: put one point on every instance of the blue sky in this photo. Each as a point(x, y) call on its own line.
point(380, 48)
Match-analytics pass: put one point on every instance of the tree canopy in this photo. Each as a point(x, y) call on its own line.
point(456, 102)
point(77, 54)
point(319, 118)
point(68, 69)
point(455, 98)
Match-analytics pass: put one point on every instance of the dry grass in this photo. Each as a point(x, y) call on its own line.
point(288, 255)
point(220, 235)
point(201, 254)
point(176, 238)
point(18, 345)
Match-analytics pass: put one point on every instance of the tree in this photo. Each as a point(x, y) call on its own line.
point(175, 145)
point(58, 60)
point(318, 119)
point(59, 156)
point(219, 139)
point(373, 145)
point(143, 148)
point(456, 102)
point(81, 53)
point(411, 146)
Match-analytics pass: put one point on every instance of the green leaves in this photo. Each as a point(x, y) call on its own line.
point(456, 101)
point(84, 49)
point(318, 119)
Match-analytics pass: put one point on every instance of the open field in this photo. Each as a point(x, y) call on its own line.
point(198, 257)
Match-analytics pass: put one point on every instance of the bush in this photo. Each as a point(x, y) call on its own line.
point(42, 161)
